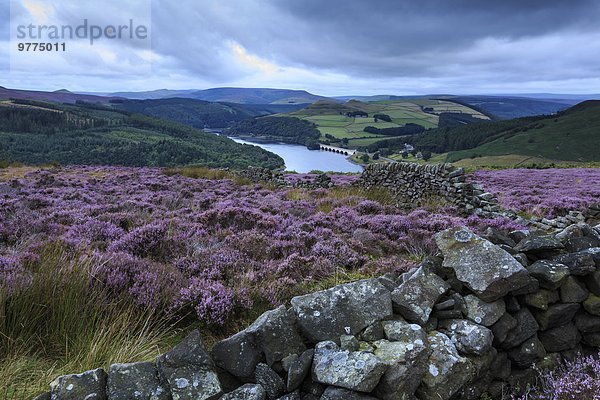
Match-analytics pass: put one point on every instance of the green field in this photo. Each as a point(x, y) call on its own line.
point(330, 118)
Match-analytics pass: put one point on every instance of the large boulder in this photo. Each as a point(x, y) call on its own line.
point(483, 313)
point(342, 310)
point(189, 370)
point(90, 385)
point(468, 337)
point(447, 370)
point(415, 297)
point(483, 267)
point(246, 392)
point(272, 337)
point(407, 364)
point(137, 381)
point(358, 371)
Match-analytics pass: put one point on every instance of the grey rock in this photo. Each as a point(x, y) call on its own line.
point(414, 298)
point(246, 392)
point(580, 263)
point(483, 267)
point(573, 291)
point(550, 274)
point(357, 371)
point(348, 309)
point(272, 337)
point(189, 370)
point(483, 313)
point(287, 362)
point(556, 315)
point(502, 327)
point(593, 282)
point(271, 382)
point(299, 370)
point(468, 337)
point(295, 395)
point(402, 331)
point(535, 243)
point(333, 393)
point(526, 326)
point(447, 371)
point(373, 332)
point(136, 381)
point(349, 342)
point(406, 365)
point(90, 385)
point(561, 338)
point(527, 353)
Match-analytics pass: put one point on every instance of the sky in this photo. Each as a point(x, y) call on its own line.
point(328, 47)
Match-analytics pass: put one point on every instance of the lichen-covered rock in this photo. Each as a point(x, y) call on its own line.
point(342, 310)
point(269, 380)
point(581, 263)
point(447, 371)
point(136, 381)
point(246, 392)
point(357, 371)
point(407, 364)
point(272, 337)
point(333, 393)
point(414, 298)
point(483, 313)
point(468, 337)
point(550, 274)
point(90, 385)
point(299, 370)
point(541, 299)
point(483, 267)
point(189, 370)
point(402, 331)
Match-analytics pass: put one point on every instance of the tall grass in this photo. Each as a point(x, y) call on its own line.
point(62, 323)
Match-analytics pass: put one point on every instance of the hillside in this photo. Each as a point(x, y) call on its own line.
point(572, 135)
point(59, 96)
point(285, 129)
point(198, 113)
point(515, 107)
point(41, 133)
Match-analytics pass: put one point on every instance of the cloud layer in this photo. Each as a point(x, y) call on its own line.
point(334, 47)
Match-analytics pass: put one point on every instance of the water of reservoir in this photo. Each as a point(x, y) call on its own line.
point(298, 158)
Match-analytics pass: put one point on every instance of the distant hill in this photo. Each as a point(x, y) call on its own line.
point(325, 107)
point(59, 96)
point(199, 113)
point(514, 107)
point(33, 132)
point(230, 95)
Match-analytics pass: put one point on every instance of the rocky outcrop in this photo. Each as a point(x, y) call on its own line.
point(470, 323)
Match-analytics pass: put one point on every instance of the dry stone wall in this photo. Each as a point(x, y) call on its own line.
point(413, 183)
point(471, 320)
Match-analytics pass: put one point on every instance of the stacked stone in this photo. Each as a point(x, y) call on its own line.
point(264, 175)
point(414, 183)
point(473, 320)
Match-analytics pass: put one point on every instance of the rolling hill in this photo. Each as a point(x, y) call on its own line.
point(59, 96)
point(34, 132)
point(572, 135)
point(515, 107)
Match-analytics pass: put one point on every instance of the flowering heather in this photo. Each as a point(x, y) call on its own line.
point(543, 192)
point(208, 247)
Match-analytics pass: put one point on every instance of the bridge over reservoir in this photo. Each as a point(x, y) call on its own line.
point(339, 150)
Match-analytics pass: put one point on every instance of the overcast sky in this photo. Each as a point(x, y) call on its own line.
point(329, 47)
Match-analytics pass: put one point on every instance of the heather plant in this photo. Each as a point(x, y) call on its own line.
point(543, 192)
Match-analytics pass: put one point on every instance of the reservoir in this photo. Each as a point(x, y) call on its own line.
point(298, 158)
